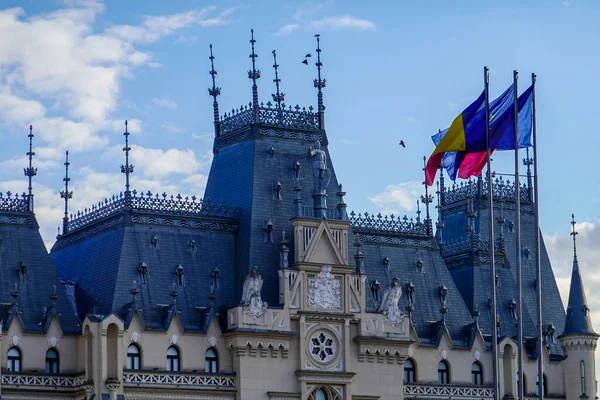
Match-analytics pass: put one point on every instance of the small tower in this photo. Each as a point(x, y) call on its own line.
point(578, 339)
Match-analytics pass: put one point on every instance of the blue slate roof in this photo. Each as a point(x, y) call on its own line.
point(578, 313)
point(188, 258)
point(27, 276)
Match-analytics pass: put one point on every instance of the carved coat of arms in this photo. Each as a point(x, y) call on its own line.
point(324, 289)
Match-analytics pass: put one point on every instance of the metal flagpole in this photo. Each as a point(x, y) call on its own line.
point(486, 74)
point(518, 236)
point(538, 244)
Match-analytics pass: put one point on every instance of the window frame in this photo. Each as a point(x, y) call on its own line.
point(477, 375)
point(133, 357)
point(410, 372)
point(52, 363)
point(173, 361)
point(211, 363)
point(444, 374)
point(12, 358)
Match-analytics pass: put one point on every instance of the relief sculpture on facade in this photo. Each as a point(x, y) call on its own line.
point(324, 289)
point(389, 303)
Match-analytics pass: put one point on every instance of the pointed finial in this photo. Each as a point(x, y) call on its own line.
point(528, 162)
point(278, 97)
point(440, 222)
point(30, 172)
point(66, 194)
point(127, 168)
point(320, 84)
point(475, 314)
point(53, 296)
point(427, 199)
point(574, 233)
point(214, 92)
point(254, 74)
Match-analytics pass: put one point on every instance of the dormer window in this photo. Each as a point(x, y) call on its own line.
point(386, 262)
point(268, 232)
point(420, 266)
point(375, 287)
point(278, 189)
point(143, 271)
point(296, 168)
point(192, 246)
point(179, 275)
point(513, 309)
point(154, 242)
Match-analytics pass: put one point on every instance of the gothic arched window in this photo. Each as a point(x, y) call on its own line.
point(324, 393)
point(52, 366)
point(14, 360)
point(133, 357)
point(211, 361)
point(173, 359)
point(582, 374)
point(477, 374)
point(443, 373)
point(410, 373)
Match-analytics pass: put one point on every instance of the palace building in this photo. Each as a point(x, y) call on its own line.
point(269, 288)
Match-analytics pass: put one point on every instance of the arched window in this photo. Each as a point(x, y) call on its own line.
point(582, 373)
point(14, 360)
point(443, 373)
point(324, 393)
point(211, 361)
point(52, 362)
point(476, 374)
point(172, 359)
point(133, 357)
point(410, 373)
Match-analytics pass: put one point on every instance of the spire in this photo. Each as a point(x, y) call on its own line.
point(440, 222)
point(127, 168)
point(427, 199)
point(277, 97)
point(254, 74)
point(65, 194)
point(528, 162)
point(320, 84)
point(30, 172)
point(578, 313)
point(214, 92)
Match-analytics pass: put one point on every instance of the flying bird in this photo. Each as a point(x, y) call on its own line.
point(308, 55)
point(402, 143)
point(305, 62)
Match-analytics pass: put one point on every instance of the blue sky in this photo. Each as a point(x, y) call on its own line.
point(395, 70)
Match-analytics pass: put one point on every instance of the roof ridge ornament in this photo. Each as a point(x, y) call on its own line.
point(127, 169)
point(320, 84)
point(66, 194)
point(278, 97)
point(214, 92)
point(427, 199)
point(254, 74)
point(30, 172)
point(574, 233)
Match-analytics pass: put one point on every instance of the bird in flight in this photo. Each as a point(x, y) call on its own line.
point(306, 57)
point(305, 62)
point(402, 143)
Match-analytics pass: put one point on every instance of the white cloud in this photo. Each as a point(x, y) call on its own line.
point(61, 60)
point(171, 127)
point(164, 102)
point(287, 29)
point(342, 22)
point(398, 198)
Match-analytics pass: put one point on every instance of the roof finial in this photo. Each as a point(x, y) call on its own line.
point(127, 168)
point(440, 222)
point(528, 162)
point(53, 296)
point(134, 292)
point(254, 74)
point(214, 92)
point(30, 172)
point(427, 199)
point(320, 84)
point(574, 233)
point(278, 97)
point(65, 194)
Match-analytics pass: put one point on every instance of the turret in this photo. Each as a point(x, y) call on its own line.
point(578, 338)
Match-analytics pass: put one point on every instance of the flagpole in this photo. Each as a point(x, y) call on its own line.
point(518, 236)
point(538, 244)
point(486, 75)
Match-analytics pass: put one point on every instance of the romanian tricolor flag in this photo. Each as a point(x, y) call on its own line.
point(502, 134)
point(467, 132)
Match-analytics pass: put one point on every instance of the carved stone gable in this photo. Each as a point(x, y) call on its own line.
point(322, 245)
point(324, 289)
